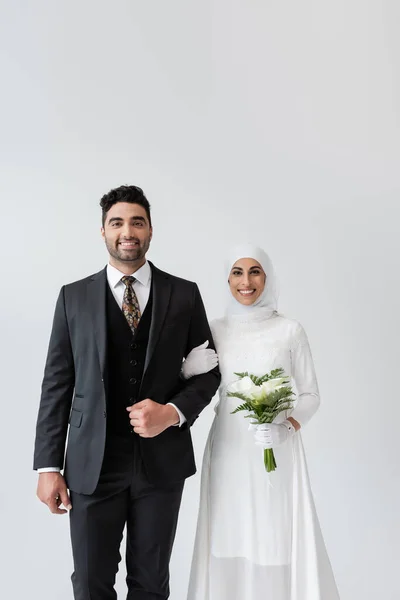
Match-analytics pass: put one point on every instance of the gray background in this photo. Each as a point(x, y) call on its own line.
point(272, 121)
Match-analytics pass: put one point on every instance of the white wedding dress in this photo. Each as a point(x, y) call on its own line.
point(258, 536)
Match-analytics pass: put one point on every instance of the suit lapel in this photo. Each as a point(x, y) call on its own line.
point(96, 298)
point(161, 295)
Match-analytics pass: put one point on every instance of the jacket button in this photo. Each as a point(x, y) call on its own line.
point(133, 362)
point(131, 401)
point(132, 381)
point(133, 346)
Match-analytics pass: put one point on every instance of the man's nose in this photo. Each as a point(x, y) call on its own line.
point(127, 231)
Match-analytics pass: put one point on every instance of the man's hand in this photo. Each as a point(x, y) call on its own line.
point(149, 418)
point(52, 490)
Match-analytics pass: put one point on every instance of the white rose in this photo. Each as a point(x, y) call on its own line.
point(258, 393)
point(274, 384)
point(268, 386)
point(242, 386)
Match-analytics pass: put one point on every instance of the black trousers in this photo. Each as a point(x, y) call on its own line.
point(123, 496)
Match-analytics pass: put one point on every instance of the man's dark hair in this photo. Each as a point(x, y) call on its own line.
point(124, 193)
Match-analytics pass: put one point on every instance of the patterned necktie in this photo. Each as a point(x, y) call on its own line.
point(130, 304)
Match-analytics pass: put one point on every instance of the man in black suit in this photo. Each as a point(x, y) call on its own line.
point(113, 373)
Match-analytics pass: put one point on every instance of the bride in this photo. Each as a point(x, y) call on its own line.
point(258, 535)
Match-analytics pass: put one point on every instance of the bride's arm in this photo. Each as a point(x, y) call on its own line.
point(303, 373)
point(201, 359)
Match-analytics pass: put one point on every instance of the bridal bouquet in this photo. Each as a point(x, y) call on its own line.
point(263, 398)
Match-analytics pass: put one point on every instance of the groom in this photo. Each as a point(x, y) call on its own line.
point(113, 374)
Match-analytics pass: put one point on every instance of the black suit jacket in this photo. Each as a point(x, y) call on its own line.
point(75, 380)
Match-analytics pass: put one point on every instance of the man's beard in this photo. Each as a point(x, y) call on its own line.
point(132, 255)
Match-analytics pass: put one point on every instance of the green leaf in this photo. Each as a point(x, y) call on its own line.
point(264, 378)
point(238, 395)
point(241, 375)
point(244, 406)
point(275, 373)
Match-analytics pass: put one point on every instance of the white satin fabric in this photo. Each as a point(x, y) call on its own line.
point(258, 536)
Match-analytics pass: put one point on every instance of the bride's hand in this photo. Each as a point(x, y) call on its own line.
point(271, 435)
point(200, 360)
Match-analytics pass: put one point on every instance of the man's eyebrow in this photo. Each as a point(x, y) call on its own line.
point(138, 218)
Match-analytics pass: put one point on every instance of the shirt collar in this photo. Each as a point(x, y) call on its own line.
point(142, 275)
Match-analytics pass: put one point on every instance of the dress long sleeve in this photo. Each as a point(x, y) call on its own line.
point(303, 373)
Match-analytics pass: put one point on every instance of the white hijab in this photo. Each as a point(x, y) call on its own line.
point(267, 303)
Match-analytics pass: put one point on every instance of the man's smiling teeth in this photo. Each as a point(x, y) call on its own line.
point(128, 244)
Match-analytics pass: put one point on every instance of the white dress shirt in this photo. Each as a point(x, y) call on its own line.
point(142, 287)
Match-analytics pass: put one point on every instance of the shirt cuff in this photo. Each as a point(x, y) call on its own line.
point(49, 470)
point(182, 418)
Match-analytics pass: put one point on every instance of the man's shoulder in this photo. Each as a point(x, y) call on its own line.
point(80, 283)
point(174, 279)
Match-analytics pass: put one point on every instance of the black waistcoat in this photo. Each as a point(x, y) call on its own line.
point(126, 355)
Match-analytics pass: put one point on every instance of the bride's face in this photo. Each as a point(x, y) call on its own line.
point(247, 280)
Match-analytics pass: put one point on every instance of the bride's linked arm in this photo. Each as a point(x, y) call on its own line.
point(200, 360)
point(193, 394)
